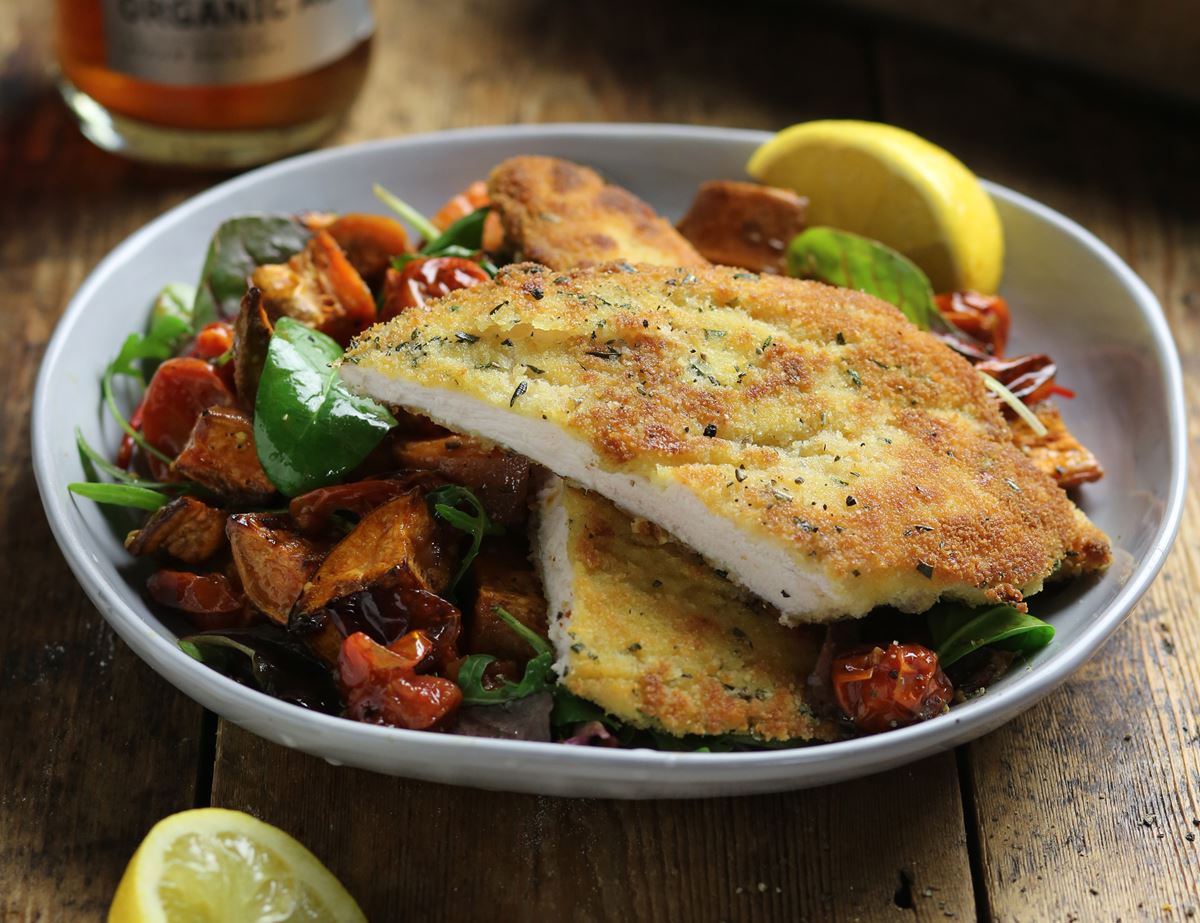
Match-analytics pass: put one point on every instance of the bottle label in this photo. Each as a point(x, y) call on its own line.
point(222, 42)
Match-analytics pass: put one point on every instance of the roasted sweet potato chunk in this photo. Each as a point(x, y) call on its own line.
point(273, 561)
point(370, 242)
point(499, 478)
point(1058, 453)
point(744, 224)
point(318, 287)
point(502, 576)
point(251, 336)
point(185, 529)
point(221, 455)
point(398, 549)
point(401, 531)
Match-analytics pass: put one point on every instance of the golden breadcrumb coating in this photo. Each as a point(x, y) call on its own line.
point(807, 439)
point(561, 214)
point(647, 631)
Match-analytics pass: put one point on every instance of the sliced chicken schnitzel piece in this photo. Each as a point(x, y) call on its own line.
point(561, 214)
point(808, 440)
point(647, 631)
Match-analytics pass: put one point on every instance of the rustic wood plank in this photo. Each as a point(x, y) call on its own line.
point(408, 850)
point(96, 747)
point(840, 853)
point(1088, 806)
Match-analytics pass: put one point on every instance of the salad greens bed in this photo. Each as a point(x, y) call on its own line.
point(311, 432)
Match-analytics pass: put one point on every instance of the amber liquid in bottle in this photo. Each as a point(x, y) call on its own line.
point(189, 120)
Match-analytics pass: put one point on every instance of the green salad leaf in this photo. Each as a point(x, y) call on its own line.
point(463, 239)
point(142, 498)
point(446, 503)
point(960, 630)
point(422, 225)
point(170, 326)
point(239, 246)
point(539, 673)
point(851, 261)
point(310, 429)
point(466, 232)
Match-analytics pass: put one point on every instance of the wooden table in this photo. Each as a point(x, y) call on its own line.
point(1085, 808)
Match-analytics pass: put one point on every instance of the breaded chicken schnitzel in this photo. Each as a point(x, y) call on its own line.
point(652, 635)
point(561, 214)
point(807, 440)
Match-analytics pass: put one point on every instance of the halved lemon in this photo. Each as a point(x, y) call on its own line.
point(216, 866)
point(895, 187)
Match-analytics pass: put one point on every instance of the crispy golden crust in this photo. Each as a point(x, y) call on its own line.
point(561, 214)
point(656, 639)
point(815, 419)
point(1058, 453)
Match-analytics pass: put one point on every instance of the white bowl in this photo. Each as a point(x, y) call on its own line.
point(1071, 297)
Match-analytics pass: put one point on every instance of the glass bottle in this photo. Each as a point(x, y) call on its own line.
point(214, 83)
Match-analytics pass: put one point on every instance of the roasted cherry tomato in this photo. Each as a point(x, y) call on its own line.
point(210, 601)
point(882, 689)
point(1029, 377)
point(179, 392)
point(213, 342)
point(382, 686)
point(125, 452)
point(473, 198)
point(425, 279)
point(985, 318)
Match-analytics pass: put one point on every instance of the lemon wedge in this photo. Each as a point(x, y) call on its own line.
point(897, 188)
point(216, 866)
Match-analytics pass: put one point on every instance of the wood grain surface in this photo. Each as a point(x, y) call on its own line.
point(1079, 810)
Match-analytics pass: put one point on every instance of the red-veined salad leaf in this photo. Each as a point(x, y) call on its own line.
point(237, 249)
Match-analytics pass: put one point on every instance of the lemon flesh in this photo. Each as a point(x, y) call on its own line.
point(216, 866)
point(897, 188)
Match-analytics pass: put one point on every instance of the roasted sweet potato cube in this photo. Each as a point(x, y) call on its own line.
point(318, 287)
point(221, 455)
point(251, 336)
point(185, 529)
point(744, 224)
point(503, 576)
point(273, 560)
point(1058, 453)
point(401, 531)
point(500, 479)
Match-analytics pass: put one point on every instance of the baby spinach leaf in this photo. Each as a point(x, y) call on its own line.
point(310, 429)
point(960, 630)
point(141, 498)
point(851, 261)
point(446, 503)
point(239, 246)
point(466, 232)
point(463, 239)
point(570, 709)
